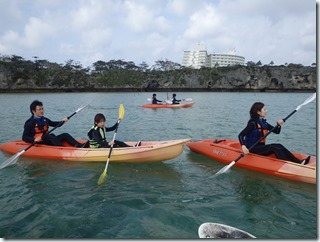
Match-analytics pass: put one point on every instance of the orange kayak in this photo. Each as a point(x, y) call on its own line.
point(148, 151)
point(181, 105)
point(227, 150)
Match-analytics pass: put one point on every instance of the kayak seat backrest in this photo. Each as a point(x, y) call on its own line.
point(235, 145)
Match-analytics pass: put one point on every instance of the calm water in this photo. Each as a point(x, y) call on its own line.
point(170, 199)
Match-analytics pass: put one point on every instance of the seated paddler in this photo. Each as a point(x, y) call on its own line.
point(97, 134)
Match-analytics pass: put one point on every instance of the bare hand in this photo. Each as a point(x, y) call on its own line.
point(65, 120)
point(38, 140)
point(245, 150)
point(280, 122)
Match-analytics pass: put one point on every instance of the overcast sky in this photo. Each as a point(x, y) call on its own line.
point(282, 31)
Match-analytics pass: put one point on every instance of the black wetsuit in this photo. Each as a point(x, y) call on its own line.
point(175, 101)
point(155, 100)
point(251, 134)
point(48, 139)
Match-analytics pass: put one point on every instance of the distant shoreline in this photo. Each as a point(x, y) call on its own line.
point(135, 89)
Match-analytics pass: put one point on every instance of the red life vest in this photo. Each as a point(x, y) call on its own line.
point(39, 131)
point(263, 132)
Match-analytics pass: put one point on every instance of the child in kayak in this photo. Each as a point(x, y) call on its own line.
point(97, 134)
point(36, 129)
point(256, 128)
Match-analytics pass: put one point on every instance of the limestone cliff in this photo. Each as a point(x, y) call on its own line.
point(234, 78)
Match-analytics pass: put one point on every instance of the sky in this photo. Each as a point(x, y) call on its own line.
point(86, 31)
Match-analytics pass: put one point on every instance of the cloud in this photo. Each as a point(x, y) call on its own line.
point(96, 38)
point(204, 23)
point(36, 32)
point(149, 30)
point(34, 36)
point(139, 17)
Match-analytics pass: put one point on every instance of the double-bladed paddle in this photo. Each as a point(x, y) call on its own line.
point(103, 176)
point(13, 159)
point(227, 167)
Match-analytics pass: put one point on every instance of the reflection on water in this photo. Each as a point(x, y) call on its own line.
point(58, 199)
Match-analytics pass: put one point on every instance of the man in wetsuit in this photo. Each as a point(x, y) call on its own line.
point(37, 126)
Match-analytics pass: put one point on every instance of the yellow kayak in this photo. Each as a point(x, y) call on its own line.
point(149, 151)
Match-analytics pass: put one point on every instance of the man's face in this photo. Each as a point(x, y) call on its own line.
point(38, 112)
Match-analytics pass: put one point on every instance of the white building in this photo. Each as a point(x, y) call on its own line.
point(199, 57)
point(195, 58)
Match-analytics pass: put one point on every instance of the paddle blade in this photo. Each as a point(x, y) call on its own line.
point(12, 160)
point(224, 169)
point(309, 100)
point(79, 109)
point(121, 111)
point(103, 177)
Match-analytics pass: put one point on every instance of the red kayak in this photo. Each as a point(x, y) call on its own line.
point(227, 150)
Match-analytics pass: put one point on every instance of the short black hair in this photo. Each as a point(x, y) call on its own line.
point(34, 104)
point(99, 117)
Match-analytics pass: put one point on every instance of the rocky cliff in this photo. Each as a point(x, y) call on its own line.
point(235, 78)
point(279, 78)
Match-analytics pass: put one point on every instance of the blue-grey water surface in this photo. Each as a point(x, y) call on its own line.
point(169, 199)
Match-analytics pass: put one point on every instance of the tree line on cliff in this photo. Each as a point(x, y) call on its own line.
point(18, 73)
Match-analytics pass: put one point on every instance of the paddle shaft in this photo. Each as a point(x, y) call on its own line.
point(113, 139)
point(271, 130)
point(263, 137)
point(50, 131)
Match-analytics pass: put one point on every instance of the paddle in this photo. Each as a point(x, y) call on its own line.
point(308, 100)
point(13, 159)
point(103, 176)
point(183, 100)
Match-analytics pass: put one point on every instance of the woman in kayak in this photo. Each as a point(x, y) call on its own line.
point(256, 128)
point(37, 126)
point(154, 99)
point(97, 134)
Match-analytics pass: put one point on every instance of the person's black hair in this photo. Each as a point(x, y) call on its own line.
point(34, 104)
point(154, 94)
point(255, 108)
point(174, 94)
point(99, 117)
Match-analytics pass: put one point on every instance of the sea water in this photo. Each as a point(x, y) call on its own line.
point(42, 198)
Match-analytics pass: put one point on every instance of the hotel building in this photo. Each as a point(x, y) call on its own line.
point(199, 57)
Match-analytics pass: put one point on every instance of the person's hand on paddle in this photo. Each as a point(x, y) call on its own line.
point(65, 120)
point(38, 140)
point(245, 150)
point(280, 122)
point(111, 142)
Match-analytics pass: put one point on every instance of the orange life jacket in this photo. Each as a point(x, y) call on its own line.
point(263, 132)
point(39, 131)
